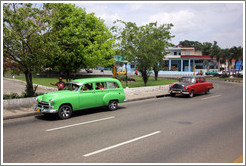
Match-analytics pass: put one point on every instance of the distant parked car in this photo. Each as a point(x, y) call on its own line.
point(82, 94)
point(213, 72)
point(89, 70)
point(190, 85)
point(121, 72)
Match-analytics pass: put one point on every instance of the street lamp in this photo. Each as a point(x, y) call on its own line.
point(125, 62)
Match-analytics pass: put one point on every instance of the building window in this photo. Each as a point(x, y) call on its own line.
point(175, 53)
point(132, 66)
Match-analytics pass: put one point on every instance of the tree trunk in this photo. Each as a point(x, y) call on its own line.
point(156, 75)
point(68, 76)
point(29, 85)
point(144, 76)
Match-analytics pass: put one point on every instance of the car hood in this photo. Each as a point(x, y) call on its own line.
point(183, 83)
point(57, 94)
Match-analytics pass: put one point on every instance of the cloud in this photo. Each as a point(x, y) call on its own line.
point(228, 38)
point(184, 20)
point(203, 22)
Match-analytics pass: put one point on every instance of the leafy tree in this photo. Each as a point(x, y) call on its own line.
point(23, 25)
point(186, 43)
point(145, 44)
point(159, 37)
point(237, 54)
point(215, 51)
point(206, 48)
point(77, 40)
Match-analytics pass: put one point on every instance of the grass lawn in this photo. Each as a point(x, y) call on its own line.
point(42, 81)
point(151, 82)
point(139, 82)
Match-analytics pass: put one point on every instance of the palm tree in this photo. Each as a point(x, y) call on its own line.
point(237, 54)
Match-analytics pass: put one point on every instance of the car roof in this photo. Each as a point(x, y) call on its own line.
point(95, 79)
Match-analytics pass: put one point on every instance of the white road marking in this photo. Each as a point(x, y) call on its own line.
point(121, 144)
point(211, 97)
point(58, 128)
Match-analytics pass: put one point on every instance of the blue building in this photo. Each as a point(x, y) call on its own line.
point(239, 65)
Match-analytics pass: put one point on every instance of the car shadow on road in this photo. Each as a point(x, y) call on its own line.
point(54, 117)
point(186, 96)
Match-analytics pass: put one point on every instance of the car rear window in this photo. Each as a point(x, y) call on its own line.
point(113, 85)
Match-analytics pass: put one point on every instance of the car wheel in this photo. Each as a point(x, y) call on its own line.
point(65, 112)
point(191, 94)
point(173, 94)
point(207, 91)
point(113, 105)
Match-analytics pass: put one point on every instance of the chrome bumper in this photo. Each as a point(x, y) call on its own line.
point(179, 92)
point(42, 110)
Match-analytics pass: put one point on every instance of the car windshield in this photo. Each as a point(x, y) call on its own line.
point(188, 80)
point(71, 87)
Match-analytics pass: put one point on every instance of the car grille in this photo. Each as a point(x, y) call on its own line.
point(177, 86)
point(44, 105)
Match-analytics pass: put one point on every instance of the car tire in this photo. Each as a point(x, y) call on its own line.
point(191, 94)
point(173, 94)
point(207, 91)
point(65, 112)
point(113, 105)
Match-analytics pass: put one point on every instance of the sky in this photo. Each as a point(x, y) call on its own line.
point(222, 21)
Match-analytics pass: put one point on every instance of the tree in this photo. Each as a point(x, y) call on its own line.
point(23, 25)
point(237, 54)
point(159, 37)
point(77, 40)
point(144, 45)
point(215, 51)
point(186, 43)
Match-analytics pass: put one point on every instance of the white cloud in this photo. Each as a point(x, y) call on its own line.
point(203, 22)
point(228, 38)
point(183, 20)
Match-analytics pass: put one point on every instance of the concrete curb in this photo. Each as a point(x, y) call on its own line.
point(16, 103)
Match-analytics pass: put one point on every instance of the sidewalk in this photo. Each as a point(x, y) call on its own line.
point(24, 107)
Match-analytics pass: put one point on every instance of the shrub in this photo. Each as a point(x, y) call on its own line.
point(11, 96)
point(17, 96)
point(123, 78)
point(224, 75)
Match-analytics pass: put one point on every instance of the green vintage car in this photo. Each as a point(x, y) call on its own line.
point(82, 94)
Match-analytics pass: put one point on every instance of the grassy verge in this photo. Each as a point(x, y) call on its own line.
point(151, 82)
point(138, 83)
point(42, 81)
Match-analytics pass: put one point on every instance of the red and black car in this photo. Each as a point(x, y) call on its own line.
point(190, 85)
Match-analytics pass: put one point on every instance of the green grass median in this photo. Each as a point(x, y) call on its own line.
point(131, 84)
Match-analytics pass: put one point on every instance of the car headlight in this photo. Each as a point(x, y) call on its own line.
point(51, 101)
point(186, 87)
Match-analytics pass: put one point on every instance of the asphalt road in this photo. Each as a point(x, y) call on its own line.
point(204, 129)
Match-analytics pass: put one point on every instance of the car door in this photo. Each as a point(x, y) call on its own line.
point(101, 90)
point(197, 88)
point(203, 85)
point(87, 96)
